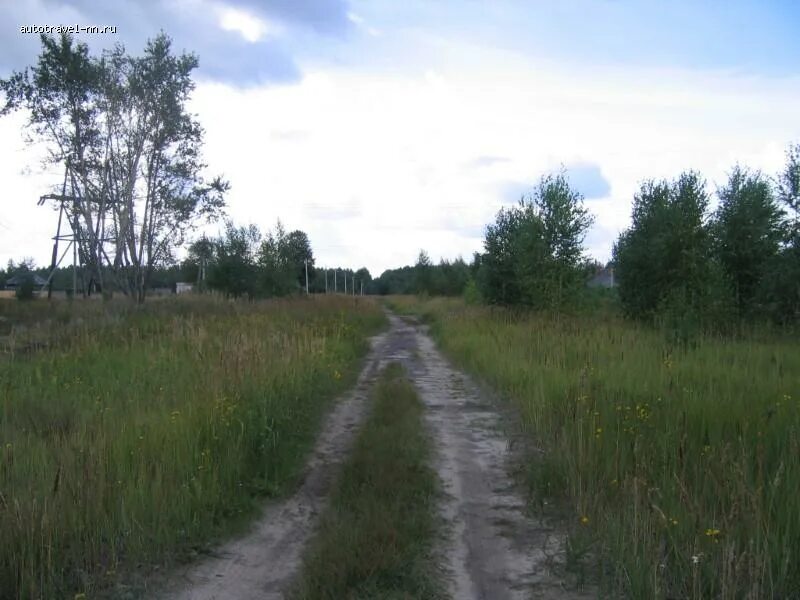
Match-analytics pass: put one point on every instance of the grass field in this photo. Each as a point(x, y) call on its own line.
point(375, 539)
point(679, 467)
point(131, 437)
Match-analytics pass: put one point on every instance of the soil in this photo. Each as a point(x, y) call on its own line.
point(491, 547)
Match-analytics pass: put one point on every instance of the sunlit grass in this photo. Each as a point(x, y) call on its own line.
point(680, 467)
point(144, 433)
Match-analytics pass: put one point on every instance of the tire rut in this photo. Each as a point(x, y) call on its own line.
point(491, 548)
point(262, 564)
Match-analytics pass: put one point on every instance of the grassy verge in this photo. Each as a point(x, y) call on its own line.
point(146, 433)
point(680, 466)
point(375, 539)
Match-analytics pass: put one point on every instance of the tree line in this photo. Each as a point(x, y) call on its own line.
point(678, 262)
point(741, 261)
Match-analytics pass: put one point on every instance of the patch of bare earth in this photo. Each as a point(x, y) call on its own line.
point(491, 548)
point(494, 549)
point(262, 564)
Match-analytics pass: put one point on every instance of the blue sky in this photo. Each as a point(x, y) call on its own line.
point(382, 127)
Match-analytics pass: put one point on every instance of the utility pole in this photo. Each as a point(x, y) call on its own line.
point(335, 289)
point(75, 255)
point(345, 283)
point(326, 280)
point(305, 262)
point(362, 287)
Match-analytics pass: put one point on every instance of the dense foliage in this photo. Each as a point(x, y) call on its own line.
point(448, 278)
point(534, 251)
point(696, 268)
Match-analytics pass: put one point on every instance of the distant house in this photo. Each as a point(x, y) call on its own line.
point(182, 287)
point(12, 283)
point(603, 277)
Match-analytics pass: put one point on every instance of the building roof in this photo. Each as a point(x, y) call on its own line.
point(19, 279)
point(603, 278)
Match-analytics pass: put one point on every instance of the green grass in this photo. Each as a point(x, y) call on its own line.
point(679, 467)
point(148, 431)
point(375, 539)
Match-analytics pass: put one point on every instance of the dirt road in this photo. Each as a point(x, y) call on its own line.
point(490, 549)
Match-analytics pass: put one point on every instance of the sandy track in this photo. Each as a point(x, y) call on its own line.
point(261, 565)
point(491, 549)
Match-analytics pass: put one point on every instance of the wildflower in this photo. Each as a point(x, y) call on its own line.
point(696, 558)
point(584, 520)
point(712, 533)
point(337, 375)
point(599, 430)
point(674, 521)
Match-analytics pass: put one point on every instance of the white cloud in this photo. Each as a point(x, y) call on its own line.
point(362, 24)
point(375, 165)
point(249, 26)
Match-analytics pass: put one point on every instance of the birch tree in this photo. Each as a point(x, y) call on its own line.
point(131, 151)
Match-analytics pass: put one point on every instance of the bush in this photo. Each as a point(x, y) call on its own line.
point(25, 291)
point(472, 294)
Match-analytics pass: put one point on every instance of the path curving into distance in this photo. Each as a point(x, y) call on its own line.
point(491, 548)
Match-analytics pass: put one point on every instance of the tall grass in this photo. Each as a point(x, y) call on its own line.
point(143, 434)
point(375, 540)
point(680, 464)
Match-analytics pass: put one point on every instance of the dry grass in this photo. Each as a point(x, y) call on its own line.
point(679, 466)
point(143, 433)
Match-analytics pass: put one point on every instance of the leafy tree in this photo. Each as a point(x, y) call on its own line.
point(297, 254)
point(234, 270)
point(789, 192)
point(395, 281)
point(663, 261)
point(131, 151)
point(199, 258)
point(423, 273)
point(498, 274)
point(24, 272)
point(362, 276)
point(534, 251)
point(748, 232)
point(282, 261)
point(781, 291)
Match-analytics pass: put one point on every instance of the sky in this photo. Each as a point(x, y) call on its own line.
point(381, 128)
